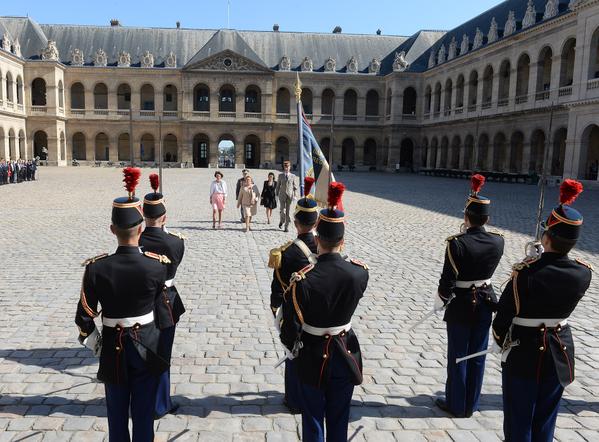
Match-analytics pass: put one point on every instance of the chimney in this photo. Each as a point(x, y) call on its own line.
point(178, 25)
point(275, 27)
point(337, 30)
point(115, 22)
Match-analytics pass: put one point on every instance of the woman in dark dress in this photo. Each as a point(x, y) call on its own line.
point(268, 198)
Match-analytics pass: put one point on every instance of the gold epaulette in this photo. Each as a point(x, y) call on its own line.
point(359, 263)
point(301, 274)
point(452, 237)
point(524, 264)
point(94, 259)
point(586, 264)
point(178, 235)
point(275, 257)
point(162, 258)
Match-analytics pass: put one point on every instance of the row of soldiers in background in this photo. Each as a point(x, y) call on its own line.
point(140, 310)
point(17, 171)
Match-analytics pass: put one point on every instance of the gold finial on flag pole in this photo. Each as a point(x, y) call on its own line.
point(298, 88)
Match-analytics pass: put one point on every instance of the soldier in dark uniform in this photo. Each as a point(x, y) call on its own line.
point(465, 288)
point(286, 260)
point(532, 322)
point(126, 284)
point(317, 330)
point(155, 238)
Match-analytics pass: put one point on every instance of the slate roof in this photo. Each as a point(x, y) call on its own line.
point(483, 21)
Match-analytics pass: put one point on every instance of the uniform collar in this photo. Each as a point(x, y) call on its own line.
point(153, 229)
point(553, 256)
point(309, 236)
point(128, 250)
point(476, 229)
point(330, 257)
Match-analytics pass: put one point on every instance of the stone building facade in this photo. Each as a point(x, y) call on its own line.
point(507, 91)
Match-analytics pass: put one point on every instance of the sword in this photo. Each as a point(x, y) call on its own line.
point(431, 313)
point(487, 351)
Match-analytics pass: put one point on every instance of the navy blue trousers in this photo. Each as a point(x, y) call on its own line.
point(292, 393)
point(138, 395)
point(163, 393)
point(530, 407)
point(331, 403)
point(465, 380)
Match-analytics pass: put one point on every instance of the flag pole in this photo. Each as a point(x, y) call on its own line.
point(331, 144)
point(300, 140)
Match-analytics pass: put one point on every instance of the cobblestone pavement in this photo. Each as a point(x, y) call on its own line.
point(225, 349)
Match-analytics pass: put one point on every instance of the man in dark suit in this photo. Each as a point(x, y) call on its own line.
point(286, 191)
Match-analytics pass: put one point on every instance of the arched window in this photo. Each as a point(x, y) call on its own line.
point(370, 152)
point(100, 96)
point(409, 101)
point(437, 98)
point(594, 56)
point(448, 96)
point(428, 99)
point(307, 101)
point(544, 73)
point(253, 99)
point(444, 153)
point(226, 99)
point(123, 97)
point(406, 154)
point(22, 153)
point(350, 103)
point(459, 93)
point(9, 88)
point(372, 103)
point(38, 92)
point(146, 98)
point(559, 151)
point(499, 152)
point(454, 155)
point(488, 87)
point(483, 152)
point(589, 154)
point(283, 101)
point(504, 83)
point(102, 147)
point(201, 150)
point(517, 152)
point(424, 153)
point(537, 152)
point(251, 152)
point(124, 147)
point(40, 145)
point(19, 89)
point(201, 98)
point(348, 152)
point(281, 150)
point(522, 79)
point(473, 89)
point(328, 102)
point(60, 95)
point(1, 88)
point(170, 148)
point(433, 156)
point(147, 148)
point(468, 152)
point(170, 100)
point(77, 98)
point(566, 77)
point(79, 147)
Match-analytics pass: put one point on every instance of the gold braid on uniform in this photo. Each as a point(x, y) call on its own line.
point(296, 306)
point(449, 255)
point(91, 313)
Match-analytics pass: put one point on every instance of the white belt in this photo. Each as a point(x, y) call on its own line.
point(538, 322)
point(469, 284)
point(332, 331)
point(170, 282)
point(128, 322)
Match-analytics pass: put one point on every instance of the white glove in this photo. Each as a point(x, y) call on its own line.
point(495, 348)
point(534, 249)
point(94, 342)
point(439, 304)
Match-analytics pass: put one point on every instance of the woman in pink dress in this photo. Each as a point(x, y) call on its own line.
point(218, 196)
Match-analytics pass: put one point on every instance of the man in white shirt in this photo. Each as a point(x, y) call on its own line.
point(286, 192)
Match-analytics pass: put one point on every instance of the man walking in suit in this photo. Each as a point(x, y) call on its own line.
point(286, 192)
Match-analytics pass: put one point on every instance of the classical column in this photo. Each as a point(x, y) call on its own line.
point(90, 147)
point(185, 152)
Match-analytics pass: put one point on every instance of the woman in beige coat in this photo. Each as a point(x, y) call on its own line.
point(248, 200)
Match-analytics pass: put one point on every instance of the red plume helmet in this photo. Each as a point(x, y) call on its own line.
point(131, 180)
point(154, 181)
point(308, 183)
point(336, 190)
point(477, 182)
point(569, 191)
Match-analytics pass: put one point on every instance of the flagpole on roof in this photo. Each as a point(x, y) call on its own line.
point(300, 138)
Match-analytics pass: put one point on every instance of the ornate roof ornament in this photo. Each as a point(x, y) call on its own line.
point(50, 52)
point(307, 65)
point(77, 58)
point(400, 63)
point(171, 60)
point(530, 18)
point(453, 49)
point(6, 43)
point(432, 60)
point(493, 34)
point(574, 4)
point(352, 65)
point(147, 60)
point(330, 65)
point(375, 66)
point(441, 55)
point(551, 9)
point(124, 60)
point(285, 63)
point(478, 39)
point(100, 58)
point(465, 46)
point(510, 24)
point(16, 47)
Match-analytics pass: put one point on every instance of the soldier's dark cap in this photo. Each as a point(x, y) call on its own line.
point(565, 221)
point(306, 210)
point(477, 204)
point(126, 210)
point(331, 221)
point(154, 202)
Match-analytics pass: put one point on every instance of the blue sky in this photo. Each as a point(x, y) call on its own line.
point(395, 17)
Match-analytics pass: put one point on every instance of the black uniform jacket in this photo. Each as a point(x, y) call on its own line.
point(169, 307)
point(548, 288)
point(125, 284)
point(326, 297)
point(470, 256)
point(293, 260)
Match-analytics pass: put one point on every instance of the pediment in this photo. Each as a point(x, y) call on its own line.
point(227, 61)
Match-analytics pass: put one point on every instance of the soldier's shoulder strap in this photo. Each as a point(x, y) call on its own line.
point(359, 263)
point(452, 237)
point(94, 259)
point(305, 250)
point(160, 258)
point(586, 264)
point(524, 264)
point(275, 257)
point(178, 235)
point(301, 274)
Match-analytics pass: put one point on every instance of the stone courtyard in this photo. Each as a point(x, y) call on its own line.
point(226, 345)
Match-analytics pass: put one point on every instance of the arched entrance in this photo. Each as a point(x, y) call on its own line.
point(281, 150)
point(226, 151)
point(406, 155)
point(370, 152)
point(170, 148)
point(589, 155)
point(251, 152)
point(348, 149)
point(78, 147)
point(102, 147)
point(124, 153)
point(40, 145)
point(201, 150)
point(147, 148)
point(559, 152)
point(537, 152)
